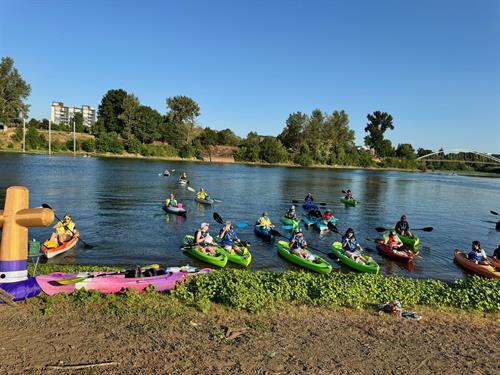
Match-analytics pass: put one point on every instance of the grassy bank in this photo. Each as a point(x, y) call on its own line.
point(259, 291)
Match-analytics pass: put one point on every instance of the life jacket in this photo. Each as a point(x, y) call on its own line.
point(298, 242)
point(402, 225)
point(393, 240)
point(203, 235)
point(201, 195)
point(351, 243)
point(327, 216)
point(476, 256)
point(228, 238)
point(264, 221)
point(348, 196)
point(171, 202)
point(66, 228)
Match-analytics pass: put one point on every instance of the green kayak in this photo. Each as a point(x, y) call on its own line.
point(371, 267)
point(322, 266)
point(290, 222)
point(219, 260)
point(349, 202)
point(232, 256)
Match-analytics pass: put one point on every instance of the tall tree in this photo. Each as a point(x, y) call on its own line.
point(130, 106)
point(181, 120)
point(13, 92)
point(146, 124)
point(77, 120)
point(338, 138)
point(379, 122)
point(292, 135)
point(110, 109)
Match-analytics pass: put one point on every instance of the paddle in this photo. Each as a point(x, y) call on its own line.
point(274, 232)
point(75, 280)
point(425, 229)
point(166, 170)
point(297, 202)
point(87, 245)
point(333, 228)
point(220, 220)
point(495, 213)
point(194, 191)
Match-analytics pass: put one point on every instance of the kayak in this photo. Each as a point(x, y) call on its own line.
point(479, 269)
point(405, 256)
point(309, 206)
point(349, 202)
point(290, 222)
point(209, 201)
point(322, 266)
point(370, 267)
point(112, 282)
point(219, 260)
point(243, 260)
point(494, 262)
point(183, 182)
point(263, 233)
point(52, 252)
point(410, 242)
point(322, 225)
point(308, 221)
point(175, 210)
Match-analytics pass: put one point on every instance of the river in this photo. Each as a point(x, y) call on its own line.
point(116, 204)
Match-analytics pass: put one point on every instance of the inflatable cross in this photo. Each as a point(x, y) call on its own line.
point(15, 220)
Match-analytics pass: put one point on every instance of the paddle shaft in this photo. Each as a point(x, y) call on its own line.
point(45, 205)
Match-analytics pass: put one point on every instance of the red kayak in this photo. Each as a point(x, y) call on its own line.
point(404, 256)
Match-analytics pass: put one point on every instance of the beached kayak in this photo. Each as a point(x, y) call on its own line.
point(404, 256)
point(52, 252)
point(219, 260)
point(111, 282)
point(479, 269)
point(175, 210)
point(209, 201)
point(370, 267)
point(309, 206)
point(318, 265)
point(349, 202)
point(263, 233)
point(290, 222)
point(232, 256)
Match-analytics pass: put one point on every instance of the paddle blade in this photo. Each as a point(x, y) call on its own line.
point(241, 225)
point(274, 232)
point(286, 227)
point(333, 228)
point(295, 201)
point(379, 229)
point(191, 189)
point(427, 229)
point(322, 204)
point(74, 280)
point(45, 205)
point(493, 212)
point(218, 218)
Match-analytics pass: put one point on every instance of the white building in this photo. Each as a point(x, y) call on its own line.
point(60, 114)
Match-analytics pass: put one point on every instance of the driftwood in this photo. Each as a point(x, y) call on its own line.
point(77, 367)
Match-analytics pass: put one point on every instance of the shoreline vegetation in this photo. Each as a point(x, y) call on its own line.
point(124, 126)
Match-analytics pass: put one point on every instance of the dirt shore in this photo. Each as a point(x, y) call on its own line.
point(176, 339)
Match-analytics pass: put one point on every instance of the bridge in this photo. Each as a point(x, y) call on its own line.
point(460, 156)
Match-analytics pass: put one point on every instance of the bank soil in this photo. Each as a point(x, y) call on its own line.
point(297, 340)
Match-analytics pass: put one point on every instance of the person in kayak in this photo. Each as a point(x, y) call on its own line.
point(202, 194)
point(477, 255)
point(264, 222)
point(170, 201)
point(298, 245)
point(496, 254)
point(183, 176)
point(204, 240)
point(229, 238)
point(327, 216)
point(65, 230)
point(309, 198)
point(352, 248)
point(403, 228)
point(315, 212)
point(394, 241)
point(291, 213)
point(348, 195)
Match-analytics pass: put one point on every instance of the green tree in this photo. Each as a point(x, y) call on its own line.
point(180, 121)
point(249, 150)
point(109, 111)
point(146, 123)
point(35, 140)
point(379, 122)
point(406, 151)
point(292, 135)
point(338, 139)
point(77, 122)
point(109, 142)
point(13, 93)
point(272, 151)
point(422, 152)
point(130, 108)
point(226, 137)
point(88, 145)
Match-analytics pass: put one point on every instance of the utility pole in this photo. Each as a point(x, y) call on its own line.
point(24, 133)
point(74, 138)
point(50, 136)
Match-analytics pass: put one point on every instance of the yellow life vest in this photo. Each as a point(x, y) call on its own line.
point(168, 201)
point(265, 222)
point(66, 229)
point(201, 195)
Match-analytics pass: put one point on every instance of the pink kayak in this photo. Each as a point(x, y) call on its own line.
point(109, 283)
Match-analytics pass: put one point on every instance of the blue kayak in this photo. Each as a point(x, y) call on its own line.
point(263, 233)
point(309, 206)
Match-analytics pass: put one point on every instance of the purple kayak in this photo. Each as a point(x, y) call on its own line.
point(309, 206)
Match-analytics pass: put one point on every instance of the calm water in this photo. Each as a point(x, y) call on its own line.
point(116, 204)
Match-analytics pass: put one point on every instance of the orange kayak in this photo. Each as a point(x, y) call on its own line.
point(52, 252)
point(479, 269)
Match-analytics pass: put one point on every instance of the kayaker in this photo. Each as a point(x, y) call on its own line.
point(202, 194)
point(264, 222)
point(477, 254)
point(229, 238)
point(291, 214)
point(403, 228)
point(315, 212)
point(348, 195)
point(327, 216)
point(65, 230)
point(170, 201)
point(309, 198)
point(204, 240)
point(496, 253)
point(298, 245)
point(394, 241)
point(352, 248)
point(183, 176)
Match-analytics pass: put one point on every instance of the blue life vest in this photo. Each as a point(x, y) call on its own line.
point(202, 234)
point(229, 236)
point(351, 243)
point(298, 243)
point(476, 257)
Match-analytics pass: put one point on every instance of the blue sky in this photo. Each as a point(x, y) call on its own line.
point(434, 65)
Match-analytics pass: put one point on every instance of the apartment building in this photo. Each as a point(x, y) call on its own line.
point(61, 114)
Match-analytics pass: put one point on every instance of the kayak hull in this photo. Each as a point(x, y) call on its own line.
point(52, 252)
point(478, 269)
point(322, 225)
point(371, 267)
point(290, 222)
point(410, 242)
point(400, 256)
point(174, 210)
point(321, 267)
point(264, 234)
point(243, 260)
point(205, 201)
point(219, 260)
point(349, 202)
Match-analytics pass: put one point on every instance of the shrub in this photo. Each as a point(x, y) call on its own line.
point(109, 142)
point(88, 145)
